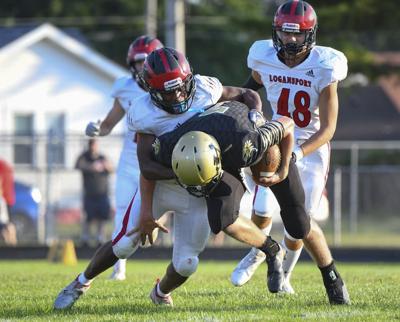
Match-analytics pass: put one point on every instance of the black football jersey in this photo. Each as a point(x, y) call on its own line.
point(241, 142)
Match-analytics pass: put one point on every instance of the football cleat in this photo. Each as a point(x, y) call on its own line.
point(275, 274)
point(247, 267)
point(337, 292)
point(159, 299)
point(70, 294)
point(287, 287)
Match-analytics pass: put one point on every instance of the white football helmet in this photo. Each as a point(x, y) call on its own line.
point(196, 161)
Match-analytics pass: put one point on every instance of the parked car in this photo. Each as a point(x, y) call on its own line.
point(25, 212)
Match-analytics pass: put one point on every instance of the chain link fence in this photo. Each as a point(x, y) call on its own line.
point(364, 202)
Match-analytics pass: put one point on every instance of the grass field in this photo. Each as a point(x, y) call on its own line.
point(28, 289)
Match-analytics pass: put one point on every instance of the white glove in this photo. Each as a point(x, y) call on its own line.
point(93, 129)
point(298, 152)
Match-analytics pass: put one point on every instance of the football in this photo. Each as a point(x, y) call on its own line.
point(268, 164)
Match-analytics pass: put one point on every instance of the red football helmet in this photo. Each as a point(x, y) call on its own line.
point(138, 50)
point(166, 71)
point(295, 16)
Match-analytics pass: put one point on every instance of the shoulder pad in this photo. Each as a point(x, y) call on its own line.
point(259, 52)
point(334, 60)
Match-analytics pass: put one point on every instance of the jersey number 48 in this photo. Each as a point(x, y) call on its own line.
point(301, 114)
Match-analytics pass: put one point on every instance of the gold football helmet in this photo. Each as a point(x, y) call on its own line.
point(196, 161)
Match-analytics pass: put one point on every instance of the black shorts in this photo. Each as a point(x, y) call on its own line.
point(224, 202)
point(97, 207)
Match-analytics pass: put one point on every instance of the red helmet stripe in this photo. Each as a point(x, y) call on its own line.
point(164, 60)
point(294, 7)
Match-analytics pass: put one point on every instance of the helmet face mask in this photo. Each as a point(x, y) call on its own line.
point(294, 17)
point(138, 50)
point(169, 80)
point(196, 162)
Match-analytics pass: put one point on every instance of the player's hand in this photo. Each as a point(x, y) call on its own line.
point(256, 117)
point(93, 129)
point(277, 177)
point(146, 227)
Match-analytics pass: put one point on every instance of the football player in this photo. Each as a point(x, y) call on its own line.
point(209, 152)
point(301, 82)
point(174, 95)
point(241, 145)
point(125, 89)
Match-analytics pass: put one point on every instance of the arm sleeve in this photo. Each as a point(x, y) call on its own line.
point(271, 133)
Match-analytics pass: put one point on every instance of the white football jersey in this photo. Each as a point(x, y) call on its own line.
point(145, 117)
point(125, 90)
point(295, 91)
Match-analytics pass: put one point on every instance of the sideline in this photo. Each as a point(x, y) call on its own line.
point(363, 255)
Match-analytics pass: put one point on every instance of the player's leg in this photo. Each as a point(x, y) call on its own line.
point(191, 231)
point(293, 248)
point(264, 205)
point(317, 246)
point(105, 257)
point(313, 170)
point(125, 187)
point(290, 196)
point(223, 214)
point(244, 230)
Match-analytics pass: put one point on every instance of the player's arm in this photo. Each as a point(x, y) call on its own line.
point(149, 168)
point(254, 81)
point(146, 222)
point(243, 95)
point(286, 147)
point(328, 113)
point(106, 126)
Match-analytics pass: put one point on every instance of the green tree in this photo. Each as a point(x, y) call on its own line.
point(219, 32)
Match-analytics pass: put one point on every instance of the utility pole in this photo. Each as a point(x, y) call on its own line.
point(175, 25)
point(151, 18)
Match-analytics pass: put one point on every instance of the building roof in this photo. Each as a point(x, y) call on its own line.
point(16, 39)
point(9, 34)
point(367, 113)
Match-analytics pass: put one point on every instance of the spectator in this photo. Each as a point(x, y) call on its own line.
point(95, 170)
point(7, 199)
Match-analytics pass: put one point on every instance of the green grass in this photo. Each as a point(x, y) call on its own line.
point(28, 289)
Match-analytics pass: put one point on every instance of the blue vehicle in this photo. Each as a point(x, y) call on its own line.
point(25, 212)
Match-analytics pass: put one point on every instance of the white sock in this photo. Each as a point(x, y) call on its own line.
point(161, 293)
point(83, 280)
point(267, 229)
point(290, 259)
point(120, 266)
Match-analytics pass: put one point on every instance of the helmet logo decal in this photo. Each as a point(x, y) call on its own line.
point(173, 84)
point(248, 151)
point(290, 27)
point(140, 56)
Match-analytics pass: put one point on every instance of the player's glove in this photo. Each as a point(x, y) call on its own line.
point(256, 117)
point(93, 129)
